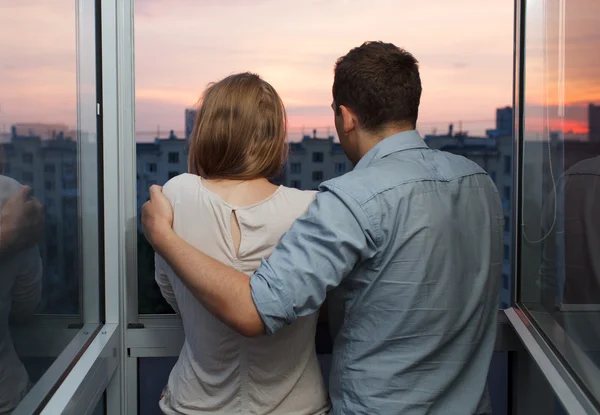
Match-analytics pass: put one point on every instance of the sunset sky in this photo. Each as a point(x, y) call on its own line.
point(464, 48)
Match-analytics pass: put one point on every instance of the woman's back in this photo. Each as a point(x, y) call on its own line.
point(220, 371)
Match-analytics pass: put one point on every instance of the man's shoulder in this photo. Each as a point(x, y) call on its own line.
point(357, 184)
point(401, 173)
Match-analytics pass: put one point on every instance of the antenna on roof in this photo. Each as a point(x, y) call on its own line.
point(158, 131)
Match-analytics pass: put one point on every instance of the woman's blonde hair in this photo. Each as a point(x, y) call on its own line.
point(240, 130)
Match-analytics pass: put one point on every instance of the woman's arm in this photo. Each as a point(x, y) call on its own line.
point(162, 280)
point(27, 289)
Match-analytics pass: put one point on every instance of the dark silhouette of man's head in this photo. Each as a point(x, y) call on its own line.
point(376, 92)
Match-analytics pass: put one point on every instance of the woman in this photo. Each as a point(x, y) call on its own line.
point(227, 208)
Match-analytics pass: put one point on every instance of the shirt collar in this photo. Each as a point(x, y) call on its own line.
point(405, 140)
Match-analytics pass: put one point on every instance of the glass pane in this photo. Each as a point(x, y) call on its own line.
point(560, 268)
point(463, 85)
point(48, 201)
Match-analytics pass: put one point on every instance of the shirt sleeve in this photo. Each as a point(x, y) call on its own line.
point(319, 250)
point(162, 280)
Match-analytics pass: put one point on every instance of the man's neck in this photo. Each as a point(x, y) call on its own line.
point(369, 140)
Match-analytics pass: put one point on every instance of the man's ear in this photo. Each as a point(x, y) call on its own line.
point(349, 118)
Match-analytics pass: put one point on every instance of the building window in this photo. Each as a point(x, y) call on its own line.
point(173, 174)
point(49, 168)
point(27, 158)
point(296, 168)
point(506, 224)
point(68, 169)
point(340, 168)
point(69, 184)
point(296, 184)
point(49, 202)
point(173, 158)
point(151, 167)
point(28, 176)
point(6, 169)
point(507, 165)
point(317, 157)
point(493, 176)
point(317, 176)
point(507, 193)
point(506, 252)
point(49, 185)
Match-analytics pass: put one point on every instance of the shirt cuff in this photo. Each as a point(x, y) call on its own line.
point(275, 306)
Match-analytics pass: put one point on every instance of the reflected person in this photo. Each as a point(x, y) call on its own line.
point(228, 208)
point(408, 247)
point(21, 226)
point(570, 271)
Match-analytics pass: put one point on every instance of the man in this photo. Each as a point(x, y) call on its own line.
point(408, 246)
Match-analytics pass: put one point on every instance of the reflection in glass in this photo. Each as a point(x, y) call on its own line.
point(45, 137)
point(21, 227)
point(560, 269)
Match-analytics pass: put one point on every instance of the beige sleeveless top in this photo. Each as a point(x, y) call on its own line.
point(219, 371)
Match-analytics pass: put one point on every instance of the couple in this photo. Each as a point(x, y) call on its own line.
point(407, 247)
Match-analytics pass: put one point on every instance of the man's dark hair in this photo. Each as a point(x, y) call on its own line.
point(380, 82)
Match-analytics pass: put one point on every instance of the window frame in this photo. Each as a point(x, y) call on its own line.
point(110, 363)
point(530, 326)
point(71, 337)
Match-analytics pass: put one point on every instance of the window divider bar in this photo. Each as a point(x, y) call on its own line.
point(83, 388)
point(571, 396)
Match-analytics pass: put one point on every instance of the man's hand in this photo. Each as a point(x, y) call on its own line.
point(157, 218)
point(21, 222)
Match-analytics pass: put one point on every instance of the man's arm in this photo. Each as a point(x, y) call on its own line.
point(224, 291)
point(320, 249)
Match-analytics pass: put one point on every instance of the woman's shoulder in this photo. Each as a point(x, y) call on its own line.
point(179, 184)
point(298, 200)
point(300, 195)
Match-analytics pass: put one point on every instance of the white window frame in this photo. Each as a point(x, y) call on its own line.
point(99, 366)
point(66, 338)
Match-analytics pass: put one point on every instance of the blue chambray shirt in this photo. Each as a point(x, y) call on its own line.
point(409, 248)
